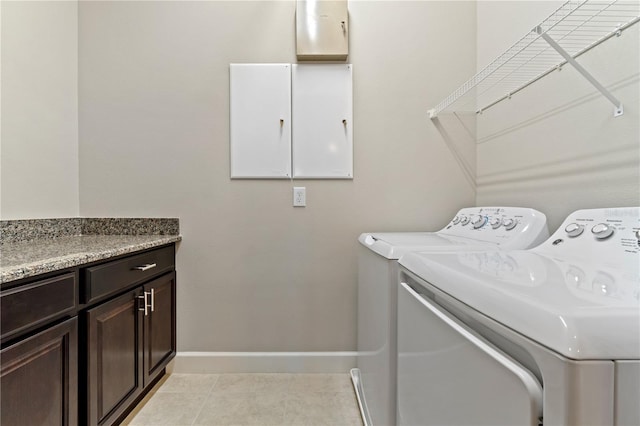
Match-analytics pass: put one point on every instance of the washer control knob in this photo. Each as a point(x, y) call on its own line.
point(602, 231)
point(456, 220)
point(464, 220)
point(638, 235)
point(574, 229)
point(509, 224)
point(478, 221)
point(496, 222)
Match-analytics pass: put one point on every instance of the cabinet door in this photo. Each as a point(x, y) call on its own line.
point(322, 121)
point(260, 118)
point(322, 31)
point(114, 355)
point(159, 325)
point(39, 378)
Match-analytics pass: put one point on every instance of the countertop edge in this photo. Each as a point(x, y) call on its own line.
point(32, 269)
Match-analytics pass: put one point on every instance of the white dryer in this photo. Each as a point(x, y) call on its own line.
point(547, 336)
point(472, 228)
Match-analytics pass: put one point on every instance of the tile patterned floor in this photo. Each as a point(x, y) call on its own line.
point(249, 399)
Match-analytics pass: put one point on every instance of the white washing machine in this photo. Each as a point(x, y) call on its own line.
point(547, 336)
point(472, 228)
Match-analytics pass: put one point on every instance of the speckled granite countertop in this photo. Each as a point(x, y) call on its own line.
point(40, 246)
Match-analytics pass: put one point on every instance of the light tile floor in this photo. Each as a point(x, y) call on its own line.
point(249, 399)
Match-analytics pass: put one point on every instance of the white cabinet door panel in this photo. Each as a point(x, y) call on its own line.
point(260, 120)
point(322, 121)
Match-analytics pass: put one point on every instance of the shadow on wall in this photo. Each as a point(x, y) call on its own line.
point(458, 131)
point(620, 85)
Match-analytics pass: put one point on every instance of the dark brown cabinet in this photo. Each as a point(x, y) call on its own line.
point(159, 326)
point(131, 337)
point(39, 355)
point(114, 339)
point(83, 345)
point(39, 378)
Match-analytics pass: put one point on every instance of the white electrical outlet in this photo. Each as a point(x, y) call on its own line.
point(299, 196)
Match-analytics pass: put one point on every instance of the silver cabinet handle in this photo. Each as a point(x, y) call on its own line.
point(153, 299)
point(146, 306)
point(144, 303)
point(144, 267)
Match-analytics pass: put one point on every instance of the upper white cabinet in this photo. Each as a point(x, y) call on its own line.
point(291, 121)
point(260, 120)
point(322, 30)
point(322, 121)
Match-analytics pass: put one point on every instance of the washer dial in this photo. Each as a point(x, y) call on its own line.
point(464, 220)
point(509, 224)
point(496, 222)
point(478, 221)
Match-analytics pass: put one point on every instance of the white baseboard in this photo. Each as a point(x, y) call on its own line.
point(262, 362)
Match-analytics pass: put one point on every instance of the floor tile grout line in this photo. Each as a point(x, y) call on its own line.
point(206, 399)
point(195, 419)
point(214, 384)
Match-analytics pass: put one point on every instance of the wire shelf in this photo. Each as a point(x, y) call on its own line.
point(576, 26)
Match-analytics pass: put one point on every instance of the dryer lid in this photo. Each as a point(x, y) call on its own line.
point(581, 310)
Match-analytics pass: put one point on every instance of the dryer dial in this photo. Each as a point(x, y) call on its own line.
point(602, 231)
point(574, 229)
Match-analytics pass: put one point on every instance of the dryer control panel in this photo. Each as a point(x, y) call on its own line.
point(509, 227)
point(607, 236)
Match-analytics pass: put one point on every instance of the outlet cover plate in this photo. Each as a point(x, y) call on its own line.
point(299, 196)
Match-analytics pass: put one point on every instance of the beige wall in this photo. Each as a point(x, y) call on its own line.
point(39, 137)
point(255, 274)
point(556, 146)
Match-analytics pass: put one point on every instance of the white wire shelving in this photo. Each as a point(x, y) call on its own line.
point(573, 29)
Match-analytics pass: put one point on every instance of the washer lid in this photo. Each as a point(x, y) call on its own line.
point(579, 309)
point(392, 245)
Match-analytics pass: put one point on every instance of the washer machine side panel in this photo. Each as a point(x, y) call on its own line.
point(377, 278)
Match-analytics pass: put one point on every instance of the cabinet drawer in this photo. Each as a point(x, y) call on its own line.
point(35, 303)
point(109, 278)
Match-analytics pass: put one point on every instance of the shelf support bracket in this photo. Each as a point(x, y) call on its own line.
point(618, 110)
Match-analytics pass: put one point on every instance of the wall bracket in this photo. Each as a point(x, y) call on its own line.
point(618, 109)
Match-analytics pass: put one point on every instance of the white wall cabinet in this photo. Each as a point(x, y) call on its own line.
point(322, 121)
point(260, 120)
point(322, 30)
point(291, 121)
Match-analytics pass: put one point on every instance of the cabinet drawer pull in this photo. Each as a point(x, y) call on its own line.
point(144, 267)
point(153, 299)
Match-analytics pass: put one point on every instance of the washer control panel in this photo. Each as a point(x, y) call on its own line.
point(603, 235)
point(510, 227)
